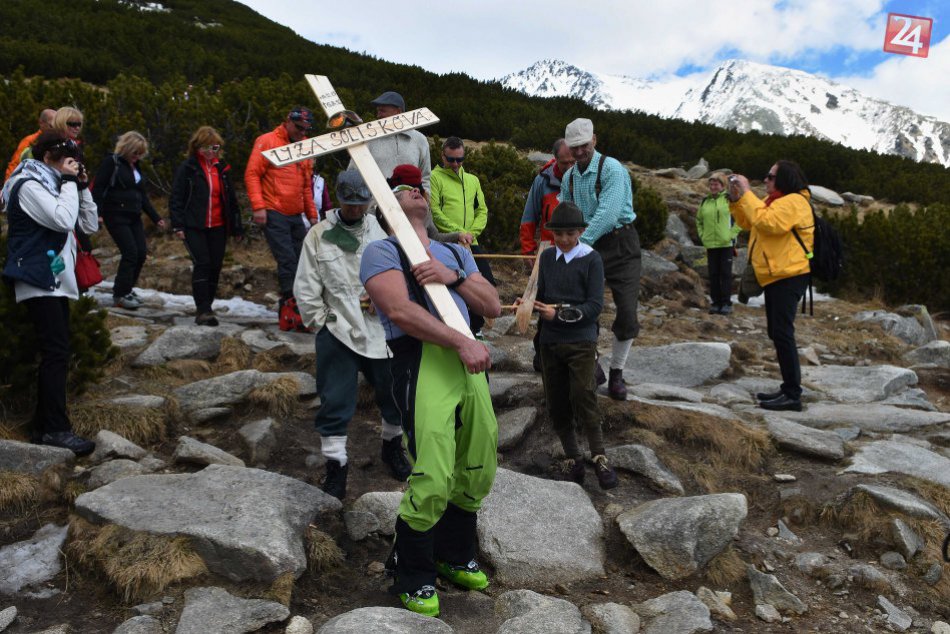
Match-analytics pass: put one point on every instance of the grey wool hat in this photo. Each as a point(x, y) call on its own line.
point(351, 189)
point(566, 215)
point(579, 132)
point(390, 98)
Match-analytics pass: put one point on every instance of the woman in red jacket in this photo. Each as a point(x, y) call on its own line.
point(204, 212)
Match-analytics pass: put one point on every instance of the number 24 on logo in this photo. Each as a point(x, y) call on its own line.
point(907, 35)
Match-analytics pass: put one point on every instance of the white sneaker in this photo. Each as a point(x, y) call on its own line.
point(128, 302)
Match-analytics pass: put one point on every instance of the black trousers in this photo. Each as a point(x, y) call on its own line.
point(206, 247)
point(720, 275)
point(129, 235)
point(620, 251)
point(477, 321)
point(50, 317)
point(285, 236)
point(781, 305)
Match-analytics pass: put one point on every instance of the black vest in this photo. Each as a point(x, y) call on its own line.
point(27, 245)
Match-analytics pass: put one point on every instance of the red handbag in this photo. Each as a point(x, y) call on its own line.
point(87, 269)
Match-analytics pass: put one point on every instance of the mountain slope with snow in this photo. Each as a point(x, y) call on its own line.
point(748, 96)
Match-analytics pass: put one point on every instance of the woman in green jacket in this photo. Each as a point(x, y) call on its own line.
point(717, 232)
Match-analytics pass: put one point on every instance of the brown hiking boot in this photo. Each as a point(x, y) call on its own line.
point(606, 477)
point(574, 470)
point(616, 388)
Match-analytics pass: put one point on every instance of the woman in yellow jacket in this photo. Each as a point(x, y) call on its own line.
point(780, 264)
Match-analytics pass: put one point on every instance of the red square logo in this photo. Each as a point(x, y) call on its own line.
point(907, 35)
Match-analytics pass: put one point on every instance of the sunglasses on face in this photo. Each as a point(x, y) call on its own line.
point(454, 159)
point(770, 176)
point(406, 188)
point(343, 119)
point(212, 148)
point(303, 128)
point(74, 124)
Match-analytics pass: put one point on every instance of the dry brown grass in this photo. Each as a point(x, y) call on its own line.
point(728, 444)
point(137, 564)
point(799, 510)
point(19, 492)
point(138, 424)
point(725, 569)
point(72, 490)
point(282, 589)
point(322, 552)
point(278, 398)
point(281, 359)
point(190, 369)
point(235, 355)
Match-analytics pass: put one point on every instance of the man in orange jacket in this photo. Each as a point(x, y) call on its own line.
point(45, 123)
point(282, 202)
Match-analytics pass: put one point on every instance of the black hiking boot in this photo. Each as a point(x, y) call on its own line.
point(394, 456)
point(335, 481)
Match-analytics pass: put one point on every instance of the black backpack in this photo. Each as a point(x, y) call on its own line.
point(826, 259)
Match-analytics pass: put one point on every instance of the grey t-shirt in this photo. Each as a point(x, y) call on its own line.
point(382, 256)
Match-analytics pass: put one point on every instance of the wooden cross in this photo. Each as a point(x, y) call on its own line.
point(354, 140)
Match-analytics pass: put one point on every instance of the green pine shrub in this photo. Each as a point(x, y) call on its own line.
point(90, 344)
point(901, 255)
point(652, 213)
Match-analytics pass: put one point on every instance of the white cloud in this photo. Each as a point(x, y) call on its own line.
point(919, 83)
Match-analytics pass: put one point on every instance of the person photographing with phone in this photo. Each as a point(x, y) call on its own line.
point(780, 263)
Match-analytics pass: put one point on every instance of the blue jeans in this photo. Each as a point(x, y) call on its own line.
point(337, 384)
point(285, 236)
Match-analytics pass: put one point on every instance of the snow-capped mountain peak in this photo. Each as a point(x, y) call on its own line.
point(749, 96)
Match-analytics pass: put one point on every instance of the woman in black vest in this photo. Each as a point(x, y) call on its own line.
point(120, 193)
point(46, 198)
point(204, 211)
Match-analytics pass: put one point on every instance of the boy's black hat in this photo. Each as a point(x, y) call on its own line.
point(566, 215)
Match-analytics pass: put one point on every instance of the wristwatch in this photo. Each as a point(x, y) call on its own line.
point(462, 276)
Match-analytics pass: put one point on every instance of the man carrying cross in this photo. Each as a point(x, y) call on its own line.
point(447, 416)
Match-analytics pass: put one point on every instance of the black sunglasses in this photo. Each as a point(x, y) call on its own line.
point(770, 176)
point(453, 159)
point(74, 124)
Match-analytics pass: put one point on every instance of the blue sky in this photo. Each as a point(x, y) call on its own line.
point(487, 39)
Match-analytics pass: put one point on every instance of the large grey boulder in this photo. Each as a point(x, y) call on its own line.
point(140, 625)
point(908, 329)
point(677, 537)
point(853, 384)
point(215, 611)
point(906, 539)
point(185, 342)
point(825, 196)
point(897, 619)
point(768, 589)
point(612, 618)
point(660, 392)
point(527, 612)
point(670, 172)
point(513, 425)
point(244, 523)
point(388, 620)
point(676, 230)
point(922, 315)
point(685, 364)
point(643, 460)
point(935, 353)
point(893, 456)
point(680, 612)
point(233, 388)
point(32, 561)
point(654, 266)
point(536, 531)
point(7, 617)
point(699, 170)
point(191, 451)
point(147, 401)
point(299, 343)
point(382, 505)
point(23, 457)
point(110, 445)
point(805, 440)
point(868, 417)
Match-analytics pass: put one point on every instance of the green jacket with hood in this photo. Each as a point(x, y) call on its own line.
point(714, 222)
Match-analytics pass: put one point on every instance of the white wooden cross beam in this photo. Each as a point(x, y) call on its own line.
point(354, 140)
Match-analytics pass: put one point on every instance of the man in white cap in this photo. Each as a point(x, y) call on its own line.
point(405, 147)
point(350, 338)
point(600, 186)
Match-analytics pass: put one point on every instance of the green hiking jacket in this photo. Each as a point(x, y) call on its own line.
point(714, 222)
point(457, 202)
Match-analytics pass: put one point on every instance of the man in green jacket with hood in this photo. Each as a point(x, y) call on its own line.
point(458, 205)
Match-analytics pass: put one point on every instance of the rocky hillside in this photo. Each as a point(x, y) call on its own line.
point(200, 510)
